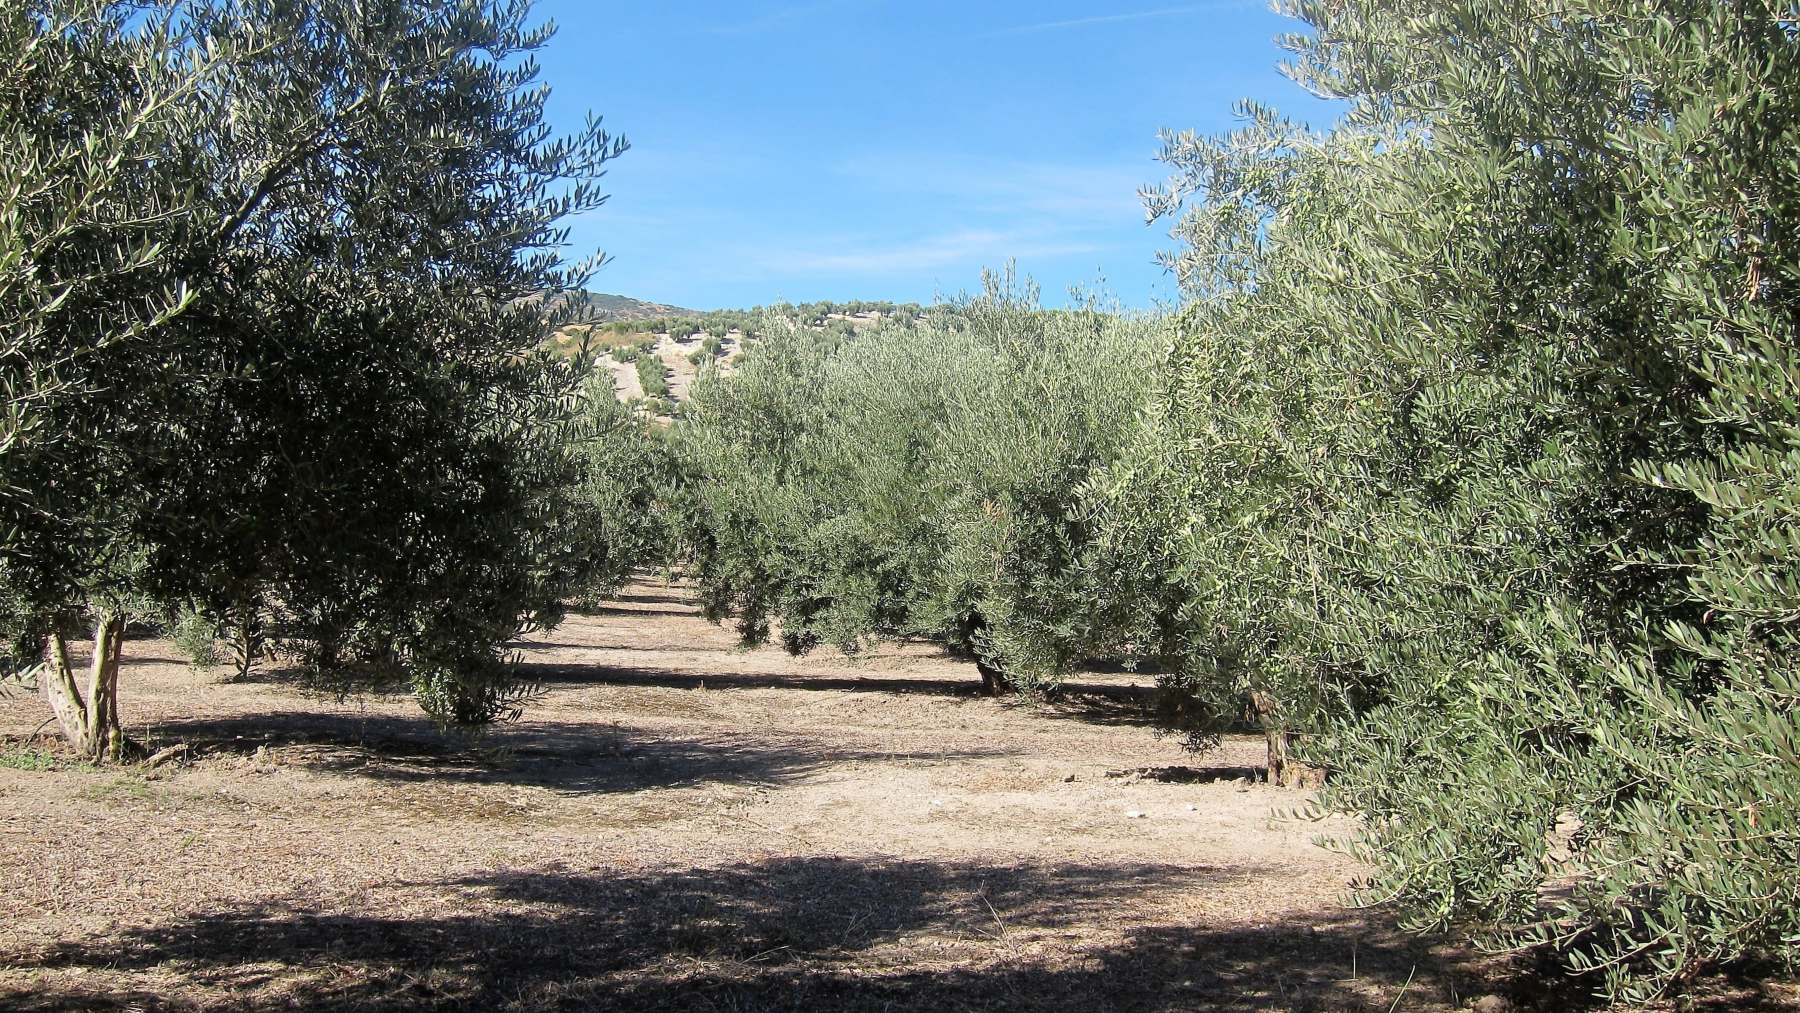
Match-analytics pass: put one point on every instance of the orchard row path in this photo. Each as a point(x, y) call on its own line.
point(678, 823)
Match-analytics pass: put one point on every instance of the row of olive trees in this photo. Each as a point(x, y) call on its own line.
point(1474, 470)
point(268, 351)
point(1470, 475)
point(917, 479)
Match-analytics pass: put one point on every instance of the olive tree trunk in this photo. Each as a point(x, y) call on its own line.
point(994, 682)
point(90, 719)
point(1284, 770)
point(248, 645)
point(970, 629)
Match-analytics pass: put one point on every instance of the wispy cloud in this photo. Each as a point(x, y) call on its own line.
point(1107, 19)
point(1003, 209)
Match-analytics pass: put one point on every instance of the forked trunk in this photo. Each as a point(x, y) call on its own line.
point(90, 719)
point(1284, 770)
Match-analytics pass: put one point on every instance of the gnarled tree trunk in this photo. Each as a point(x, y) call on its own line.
point(993, 681)
point(970, 628)
point(90, 720)
point(248, 645)
point(1284, 770)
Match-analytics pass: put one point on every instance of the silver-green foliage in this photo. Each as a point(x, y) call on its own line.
point(620, 507)
point(274, 337)
point(1477, 458)
point(653, 376)
point(196, 636)
point(918, 480)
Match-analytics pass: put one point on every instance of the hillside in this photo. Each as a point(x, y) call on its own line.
point(600, 307)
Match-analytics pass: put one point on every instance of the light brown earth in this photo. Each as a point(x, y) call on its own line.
point(625, 379)
point(674, 356)
point(678, 824)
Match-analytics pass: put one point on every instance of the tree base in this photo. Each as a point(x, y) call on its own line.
point(90, 721)
point(1283, 770)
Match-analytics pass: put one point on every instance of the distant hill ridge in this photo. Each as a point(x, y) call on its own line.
point(601, 308)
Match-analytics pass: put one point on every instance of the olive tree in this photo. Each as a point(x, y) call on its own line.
point(1479, 402)
point(621, 505)
point(92, 227)
point(914, 481)
point(338, 413)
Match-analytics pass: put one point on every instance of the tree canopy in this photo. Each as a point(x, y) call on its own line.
point(1471, 457)
point(271, 269)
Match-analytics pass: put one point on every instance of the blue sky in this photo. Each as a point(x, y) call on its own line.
point(890, 149)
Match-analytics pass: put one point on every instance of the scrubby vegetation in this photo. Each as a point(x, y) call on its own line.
point(749, 324)
point(653, 376)
point(711, 347)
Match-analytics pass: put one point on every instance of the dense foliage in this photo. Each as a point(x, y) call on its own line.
point(1475, 459)
point(621, 502)
point(267, 278)
point(653, 376)
point(912, 479)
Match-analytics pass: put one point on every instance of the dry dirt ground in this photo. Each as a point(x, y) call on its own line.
point(674, 356)
point(679, 824)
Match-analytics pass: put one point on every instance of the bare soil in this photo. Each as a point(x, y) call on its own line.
point(680, 824)
point(673, 354)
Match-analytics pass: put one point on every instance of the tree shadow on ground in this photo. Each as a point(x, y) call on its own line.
point(1192, 775)
point(626, 610)
point(1091, 702)
point(163, 659)
point(558, 674)
point(566, 758)
point(688, 602)
point(1100, 704)
point(782, 934)
point(525, 647)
